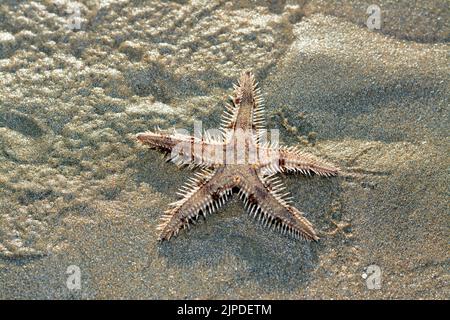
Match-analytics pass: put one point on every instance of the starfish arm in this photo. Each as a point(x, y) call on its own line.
point(184, 149)
point(291, 159)
point(264, 200)
point(245, 112)
point(204, 194)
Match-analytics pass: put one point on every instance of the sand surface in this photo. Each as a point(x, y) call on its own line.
point(76, 188)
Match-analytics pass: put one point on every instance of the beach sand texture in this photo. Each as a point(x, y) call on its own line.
point(76, 188)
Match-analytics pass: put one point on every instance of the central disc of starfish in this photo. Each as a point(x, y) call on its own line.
point(242, 160)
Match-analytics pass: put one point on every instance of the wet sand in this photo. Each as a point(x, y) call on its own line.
point(76, 188)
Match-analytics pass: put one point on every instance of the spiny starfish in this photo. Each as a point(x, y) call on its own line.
point(226, 166)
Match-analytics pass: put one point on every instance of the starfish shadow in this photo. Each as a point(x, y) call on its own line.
point(265, 257)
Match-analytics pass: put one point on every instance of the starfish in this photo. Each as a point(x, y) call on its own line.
point(239, 160)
